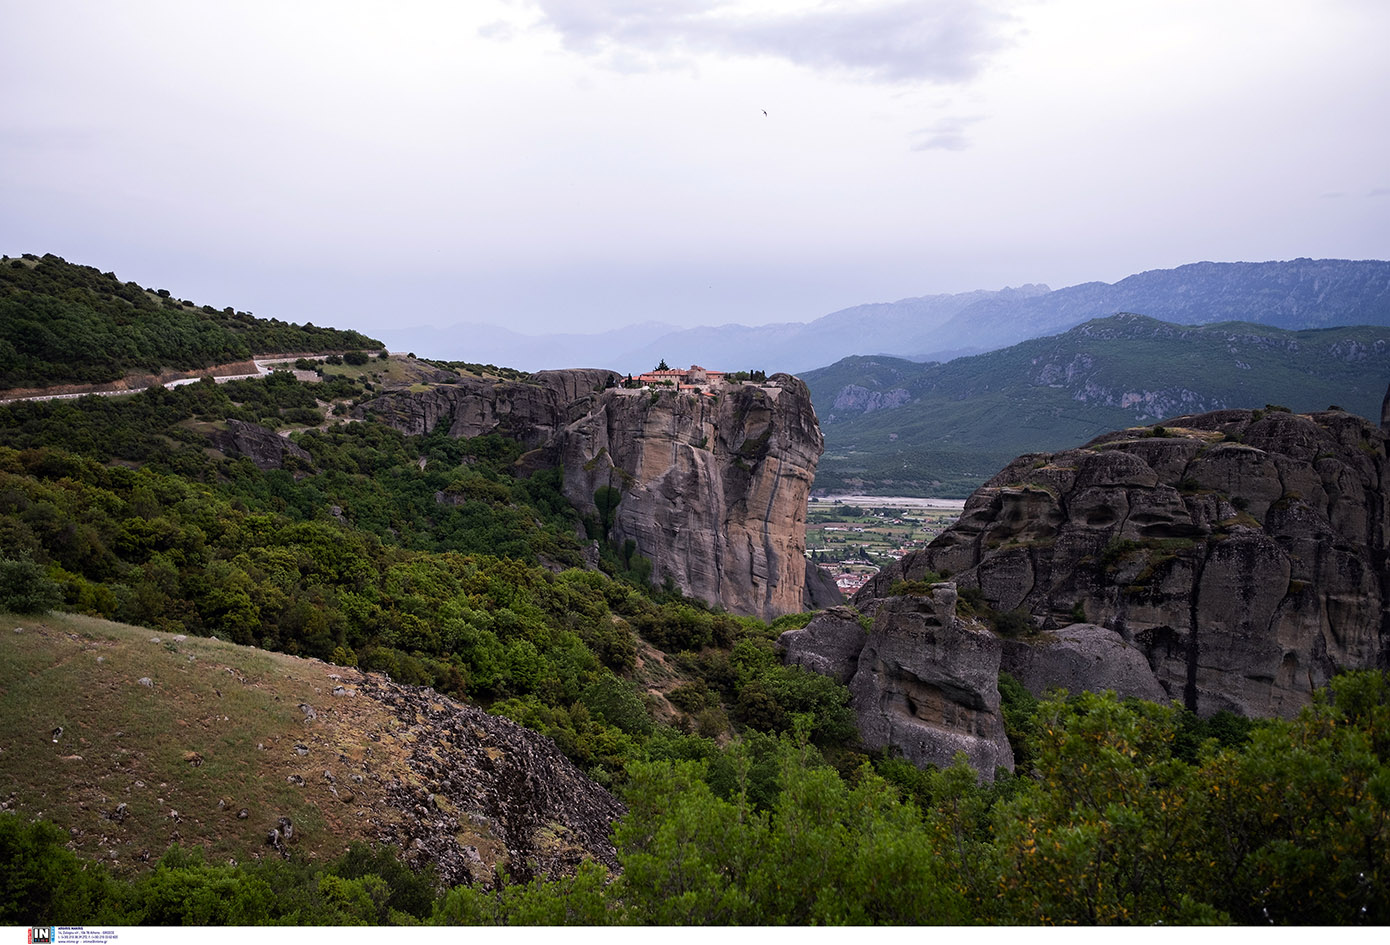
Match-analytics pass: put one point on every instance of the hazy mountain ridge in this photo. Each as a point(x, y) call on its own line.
point(1294, 294)
point(1297, 294)
point(955, 421)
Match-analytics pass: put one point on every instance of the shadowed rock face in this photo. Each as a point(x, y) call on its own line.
point(830, 644)
point(713, 488)
point(1081, 657)
point(922, 680)
point(260, 444)
point(1244, 553)
point(529, 412)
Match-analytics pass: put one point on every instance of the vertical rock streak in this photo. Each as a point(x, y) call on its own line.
point(714, 488)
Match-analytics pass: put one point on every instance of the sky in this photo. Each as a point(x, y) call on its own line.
point(549, 166)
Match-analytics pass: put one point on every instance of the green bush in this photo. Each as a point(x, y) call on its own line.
point(25, 587)
point(1013, 623)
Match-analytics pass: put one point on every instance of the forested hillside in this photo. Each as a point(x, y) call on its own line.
point(61, 323)
point(897, 427)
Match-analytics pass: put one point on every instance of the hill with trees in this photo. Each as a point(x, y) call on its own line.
point(894, 426)
point(62, 323)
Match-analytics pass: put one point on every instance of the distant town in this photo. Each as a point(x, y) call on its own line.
point(853, 540)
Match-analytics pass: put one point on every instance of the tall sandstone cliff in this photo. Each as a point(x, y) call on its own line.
point(1242, 553)
point(713, 484)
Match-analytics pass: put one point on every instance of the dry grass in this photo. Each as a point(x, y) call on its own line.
point(215, 733)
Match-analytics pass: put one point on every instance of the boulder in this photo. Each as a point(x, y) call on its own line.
point(1079, 658)
point(261, 445)
point(927, 685)
point(830, 644)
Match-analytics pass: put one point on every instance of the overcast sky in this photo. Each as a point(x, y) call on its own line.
point(548, 165)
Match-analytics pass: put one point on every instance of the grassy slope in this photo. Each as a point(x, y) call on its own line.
point(215, 733)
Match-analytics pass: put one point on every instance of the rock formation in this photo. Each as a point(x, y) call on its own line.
point(531, 412)
point(260, 444)
point(714, 486)
point(1081, 657)
point(922, 680)
point(830, 644)
point(1385, 412)
point(712, 483)
point(1244, 553)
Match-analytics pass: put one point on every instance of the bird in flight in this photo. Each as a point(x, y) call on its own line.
point(764, 112)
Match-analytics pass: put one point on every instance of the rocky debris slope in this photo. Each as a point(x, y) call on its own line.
point(1244, 553)
point(922, 680)
point(713, 484)
point(489, 794)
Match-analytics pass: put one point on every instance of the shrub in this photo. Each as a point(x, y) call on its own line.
point(1013, 623)
point(25, 587)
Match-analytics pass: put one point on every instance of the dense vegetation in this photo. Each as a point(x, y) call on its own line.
point(749, 798)
point(418, 556)
point(955, 424)
point(62, 323)
point(1132, 813)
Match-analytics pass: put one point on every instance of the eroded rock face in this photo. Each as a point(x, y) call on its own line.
point(260, 444)
point(927, 684)
point(713, 484)
point(830, 644)
point(821, 589)
point(922, 680)
point(530, 412)
point(1081, 657)
point(1243, 552)
point(714, 487)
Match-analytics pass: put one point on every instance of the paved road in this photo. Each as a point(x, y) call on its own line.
point(262, 369)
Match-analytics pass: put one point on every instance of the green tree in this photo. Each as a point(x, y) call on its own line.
point(606, 499)
point(25, 587)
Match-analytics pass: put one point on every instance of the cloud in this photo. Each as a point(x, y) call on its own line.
point(948, 134)
point(1379, 192)
point(946, 41)
point(499, 30)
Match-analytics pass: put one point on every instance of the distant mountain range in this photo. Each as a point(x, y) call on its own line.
point(896, 426)
point(1298, 294)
